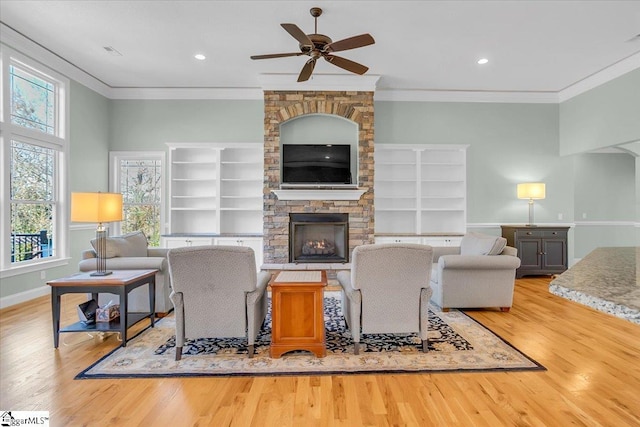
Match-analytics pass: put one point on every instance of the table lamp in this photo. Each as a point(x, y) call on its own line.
point(97, 207)
point(532, 191)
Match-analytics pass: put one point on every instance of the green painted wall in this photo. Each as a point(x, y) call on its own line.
point(508, 144)
point(605, 116)
point(148, 125)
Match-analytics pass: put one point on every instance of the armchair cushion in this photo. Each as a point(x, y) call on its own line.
point(129, 245)
point(482, 244)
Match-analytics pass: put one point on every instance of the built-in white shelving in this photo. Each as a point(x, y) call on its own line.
point(215, 188)
point(420, 190)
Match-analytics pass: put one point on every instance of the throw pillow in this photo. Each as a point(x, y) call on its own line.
point(482, 244)
point(129, 245)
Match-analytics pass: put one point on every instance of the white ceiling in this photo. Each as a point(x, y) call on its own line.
point(532, 46)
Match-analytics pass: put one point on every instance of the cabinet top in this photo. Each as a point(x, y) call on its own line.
point(212, 235)
point(535, 227)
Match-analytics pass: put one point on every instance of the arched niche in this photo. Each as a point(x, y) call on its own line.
point(322, 129)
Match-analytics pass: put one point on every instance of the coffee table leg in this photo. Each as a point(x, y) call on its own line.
point(55, 311)
point(152, 300)
point(124, 299)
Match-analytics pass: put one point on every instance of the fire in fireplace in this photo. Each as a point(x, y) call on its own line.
point(317, 237)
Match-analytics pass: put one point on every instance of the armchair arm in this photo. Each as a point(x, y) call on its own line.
point(344, 278)
point(261, 286)
point(439, 251)
point(157, 252)
point(478, 262)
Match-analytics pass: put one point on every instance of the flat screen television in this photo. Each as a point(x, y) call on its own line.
point(316, 164)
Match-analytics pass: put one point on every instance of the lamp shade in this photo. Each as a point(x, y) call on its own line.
point(531, 190)
point(96, 207)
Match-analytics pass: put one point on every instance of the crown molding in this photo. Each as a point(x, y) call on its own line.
point(420, 95)
point(603, 76)
point(180, 93)
point(321, 82)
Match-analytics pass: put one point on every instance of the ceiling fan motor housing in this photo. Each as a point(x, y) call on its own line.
point(319, 42)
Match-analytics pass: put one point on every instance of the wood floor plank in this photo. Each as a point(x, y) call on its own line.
point(592, 378)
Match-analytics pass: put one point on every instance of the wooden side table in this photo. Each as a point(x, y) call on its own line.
point(120, 283)
point(297, 312)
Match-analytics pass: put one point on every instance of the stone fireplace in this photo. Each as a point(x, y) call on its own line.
point(281, 106)
point(318, 237)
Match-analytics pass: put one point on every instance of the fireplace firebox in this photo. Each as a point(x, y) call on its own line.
point(318, 237)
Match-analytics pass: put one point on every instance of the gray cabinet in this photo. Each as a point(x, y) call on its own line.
point(542, 250)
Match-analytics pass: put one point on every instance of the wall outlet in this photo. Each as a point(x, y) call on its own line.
point(560, 217)
point(584, 215)
point(43, 275)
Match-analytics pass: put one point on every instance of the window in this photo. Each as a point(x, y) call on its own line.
point(34, 150)
point(139, 176)
point(33, 201)
point(32, 101)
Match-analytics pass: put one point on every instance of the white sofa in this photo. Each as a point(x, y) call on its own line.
point(131, 252)
point(478, 274)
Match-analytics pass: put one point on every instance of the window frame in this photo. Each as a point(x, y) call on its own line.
point(115, 157)
point(59, 142)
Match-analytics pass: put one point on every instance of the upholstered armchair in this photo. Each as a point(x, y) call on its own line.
point(478, 274)
point(217, 293)
point(131, 252)
point(387, 290)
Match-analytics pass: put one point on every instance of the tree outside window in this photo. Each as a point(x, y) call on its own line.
point(140, 182)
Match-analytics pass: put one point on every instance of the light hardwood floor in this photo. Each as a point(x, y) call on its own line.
point(593, 379)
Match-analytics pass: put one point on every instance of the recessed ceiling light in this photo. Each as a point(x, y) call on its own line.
point(200, 57)
point(483, 61)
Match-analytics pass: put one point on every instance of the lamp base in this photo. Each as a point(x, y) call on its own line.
point(101, 273)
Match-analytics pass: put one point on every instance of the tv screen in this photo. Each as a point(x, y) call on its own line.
point(316, 164)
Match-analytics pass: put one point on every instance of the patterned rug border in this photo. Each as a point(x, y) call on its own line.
point(84, 374)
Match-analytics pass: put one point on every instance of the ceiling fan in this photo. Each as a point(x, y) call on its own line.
point(320, 46)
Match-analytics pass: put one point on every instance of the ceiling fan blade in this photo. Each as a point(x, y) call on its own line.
point(298, 34)
point(307, 70)
point(350, 43)
point(346, 64)
point(276, 55)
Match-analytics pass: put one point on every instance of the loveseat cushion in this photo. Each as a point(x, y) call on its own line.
point(482, 244)
point(128, 245)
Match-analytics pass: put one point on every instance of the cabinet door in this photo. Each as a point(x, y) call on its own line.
point(555, 254)
point(530, 253)
point(398, 239)
point(442, 241)
point(181, 242)
point(254, 243)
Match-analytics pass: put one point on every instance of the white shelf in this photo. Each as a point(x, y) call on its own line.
point(420, 189)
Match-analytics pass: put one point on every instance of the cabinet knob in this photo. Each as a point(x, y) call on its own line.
point(555, 232)
point(529, 233)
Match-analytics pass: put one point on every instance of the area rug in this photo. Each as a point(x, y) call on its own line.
point(457, 343)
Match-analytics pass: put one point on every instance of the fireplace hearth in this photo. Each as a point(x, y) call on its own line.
point(318, 237)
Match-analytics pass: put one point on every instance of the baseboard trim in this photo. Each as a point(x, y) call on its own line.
point(25, 296)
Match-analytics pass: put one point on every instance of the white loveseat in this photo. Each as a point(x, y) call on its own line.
point(131, 252)
point(478, 274)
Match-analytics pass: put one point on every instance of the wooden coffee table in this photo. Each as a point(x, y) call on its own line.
point(297, 312)
point(120, 283)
